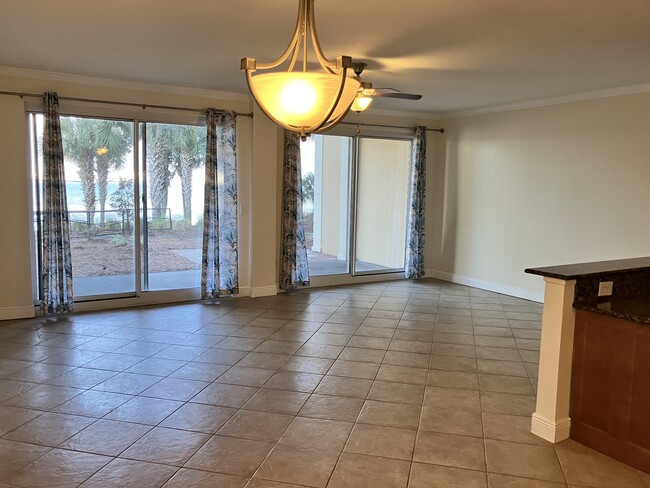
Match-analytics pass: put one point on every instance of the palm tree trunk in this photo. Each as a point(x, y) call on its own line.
point(159, 177)
point(87, 177)
point(102, 186)
point(185, 172)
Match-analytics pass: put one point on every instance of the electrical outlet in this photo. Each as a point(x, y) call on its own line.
point(605, 288)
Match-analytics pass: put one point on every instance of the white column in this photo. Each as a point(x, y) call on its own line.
point(551, 418)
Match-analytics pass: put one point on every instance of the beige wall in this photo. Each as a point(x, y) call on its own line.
point(543, 186)
point(15, 256)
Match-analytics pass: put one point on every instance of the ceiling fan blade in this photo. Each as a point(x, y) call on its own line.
point(396, 94)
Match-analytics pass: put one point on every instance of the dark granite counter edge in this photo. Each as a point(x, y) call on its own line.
point(580, 270)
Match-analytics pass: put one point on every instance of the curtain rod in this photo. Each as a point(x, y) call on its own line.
point(144, 106)
point(441, 130)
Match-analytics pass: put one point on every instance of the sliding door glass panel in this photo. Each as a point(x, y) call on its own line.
point(325, 164)
point(98, 158)
point(173, 172)
point(381, 204)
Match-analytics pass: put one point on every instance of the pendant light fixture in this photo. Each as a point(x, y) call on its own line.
point(303, 101)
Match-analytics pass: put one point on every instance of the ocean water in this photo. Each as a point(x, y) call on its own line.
point(76, 197)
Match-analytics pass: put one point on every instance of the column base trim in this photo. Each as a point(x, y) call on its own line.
point(10, 313)
point(551, 431)
point(263, 291)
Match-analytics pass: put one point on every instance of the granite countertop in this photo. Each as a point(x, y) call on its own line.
point(636, 309)
point(580, 270)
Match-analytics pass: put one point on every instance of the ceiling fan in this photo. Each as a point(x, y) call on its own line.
point(367, 92)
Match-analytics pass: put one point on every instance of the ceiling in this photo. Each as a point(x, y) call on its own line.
point(459, 54)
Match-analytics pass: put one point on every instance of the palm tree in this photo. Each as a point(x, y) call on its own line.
point(96, 146)
point(159, 161)
point(189, 152)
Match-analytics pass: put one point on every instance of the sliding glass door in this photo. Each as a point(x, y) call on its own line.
point(173, 175)
point(381, 205)
point(118, 190)
point(355, 200)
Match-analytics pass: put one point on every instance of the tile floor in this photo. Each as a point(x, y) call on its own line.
point(399, 384)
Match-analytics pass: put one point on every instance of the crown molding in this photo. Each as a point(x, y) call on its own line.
point(122, 84)
point(545, 102)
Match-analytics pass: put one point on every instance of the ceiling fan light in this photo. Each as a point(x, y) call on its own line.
point(303, 100)
point(361, 103)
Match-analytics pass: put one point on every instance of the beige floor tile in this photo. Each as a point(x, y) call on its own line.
point(458, 350)
point(225, 395)
point(505, 403)
point(508, 368)
point(107, 437)
point(390, 414)
point(414, 335)
point(375, 440)
point(498, 353)
point(238, 375)
point(397, 393)
point(360, 471)
point(452, 363)
point(58, 468)
point(13, 417)
point(308, 365)
point(192, 478)
point(402, 374)
point(524, 460)
point(453, 379)
point(416, 346)
point(504, 481)
point(362, 355)
point(510, 428)
point(369, 342)
point(142, 410)
point(43, 397)
point(354, 369)
point(410, 359)
point(332, 407)
point(127, 472)
point(166, 446)
point(263, 360)
point(14, 456)
point(317, 433)
point(49, 429)
point(277, 401)
point(279, 347)
point(197, 417)
point(381, 332)
point(430, 476)
point(439, 397)
point(128, 383)
point(93, 403)
point(330, 339)
point(450, 450)
point(240, 457)
point(506, 384)
point(322, 351)
point(254, 425)
point(292, 381)
point(346, 387)
point(303, 466)
point(584, 466)
point(451, 421)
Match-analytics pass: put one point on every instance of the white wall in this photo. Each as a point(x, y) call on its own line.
point(543, 186)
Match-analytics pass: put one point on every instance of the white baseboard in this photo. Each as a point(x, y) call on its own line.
point(263, 291)
point(244, 291)
point(512, 291)
point(551, 431)
point(11, 313)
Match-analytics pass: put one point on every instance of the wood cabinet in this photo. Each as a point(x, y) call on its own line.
point(610, 387)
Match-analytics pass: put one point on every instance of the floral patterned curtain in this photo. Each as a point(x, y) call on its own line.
point(56, 272)
point(219, 267)
point(294, 268)
point(414, 267)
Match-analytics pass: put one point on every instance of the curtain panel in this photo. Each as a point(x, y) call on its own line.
point(294, 267)
point(219, 266)
point(414, 266)
point(56, 272)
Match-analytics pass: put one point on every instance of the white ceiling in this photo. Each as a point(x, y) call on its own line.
point(459, 54)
